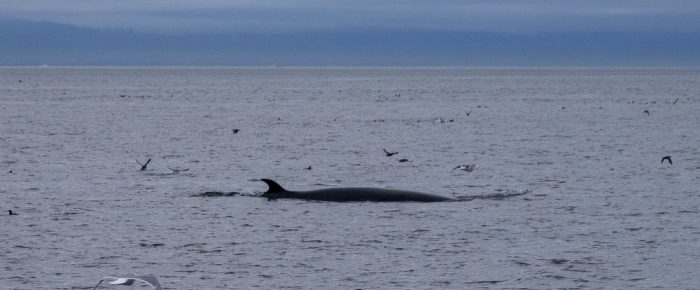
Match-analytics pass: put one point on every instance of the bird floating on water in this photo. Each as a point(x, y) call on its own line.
point(11, 212)
point(150, 280)
point(389, 153)
point(443, 120)
point(667, 158)
point(466, 167)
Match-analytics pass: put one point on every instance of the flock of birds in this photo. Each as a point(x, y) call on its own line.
point(155, 284)
point(463, 167)
point(153, 281)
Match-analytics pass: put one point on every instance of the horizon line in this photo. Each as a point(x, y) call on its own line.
point(46, 66)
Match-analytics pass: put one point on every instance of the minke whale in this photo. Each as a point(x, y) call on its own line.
point(349, 194)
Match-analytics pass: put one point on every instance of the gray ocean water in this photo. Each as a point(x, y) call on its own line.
point(599, 211)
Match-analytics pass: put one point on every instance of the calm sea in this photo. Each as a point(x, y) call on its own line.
point(600, 210)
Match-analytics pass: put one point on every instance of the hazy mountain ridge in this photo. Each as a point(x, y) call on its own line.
point(31, 43)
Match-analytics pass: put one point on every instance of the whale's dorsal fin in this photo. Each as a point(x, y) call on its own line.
point(273, 187)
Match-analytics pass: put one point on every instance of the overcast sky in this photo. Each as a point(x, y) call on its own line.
point(515, 16)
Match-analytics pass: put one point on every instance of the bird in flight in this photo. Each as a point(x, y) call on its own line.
point(389, 153)
point(143, 166)
point(667, 158)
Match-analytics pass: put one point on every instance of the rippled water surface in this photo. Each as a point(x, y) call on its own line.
point(599, 209)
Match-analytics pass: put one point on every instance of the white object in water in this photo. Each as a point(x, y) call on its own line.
point(466, 167)
point(150, 280)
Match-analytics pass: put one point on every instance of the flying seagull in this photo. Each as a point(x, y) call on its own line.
point(390, 153)
point(667, 158)
point(466, 167)
point(143, 166)
point(150, 280)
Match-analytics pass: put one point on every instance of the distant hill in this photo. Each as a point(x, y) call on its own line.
point(34, 43)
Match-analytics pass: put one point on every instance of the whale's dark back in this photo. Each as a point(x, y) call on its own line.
point(369, 194)
point(349, 194)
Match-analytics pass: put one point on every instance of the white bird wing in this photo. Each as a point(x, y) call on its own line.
point(123, 281)
point(150, 280)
